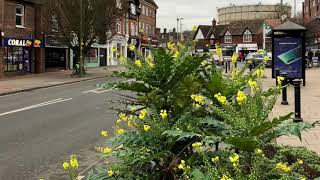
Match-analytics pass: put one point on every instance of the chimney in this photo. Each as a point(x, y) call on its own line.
point(214, 23)
point(174, 30)
point(165, 30)
point(158, 30)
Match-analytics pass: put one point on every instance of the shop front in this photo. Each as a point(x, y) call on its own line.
point(228, 49)
point(19, 54)
point(135, 41)
point(147, 43)
point(119, 43)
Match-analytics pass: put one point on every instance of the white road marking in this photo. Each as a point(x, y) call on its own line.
point(36, 106)
point(97, 91)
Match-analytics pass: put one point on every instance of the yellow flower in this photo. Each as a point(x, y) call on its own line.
point(74, 161)
point(110, 173)
point(163, 114)
point(221, 99)
point(141, 30)
point(260, 51)
point(234, 57)
point(241, 98)
point(234, 160)
point(120, 131)
point(266, 58)
point(194, 28)
point(182, 165)
point(176, 54)
point(146, 128)
point(143, 114)
point(114, 49)
point(119, 121)
point(171, 46)
point(122, 59)
point(303, 178)
point(300, 162)
point(107, 151)
point(280, 79)
point(65, 165)
point(104, 133)
point(130, 124)
point(197, 145)
point(253, 84)
point(215, 159)
point(224, 177)
point(132, 47)
point(138, 63)
point(260, 73)
point(283, 167)
point(259, 152)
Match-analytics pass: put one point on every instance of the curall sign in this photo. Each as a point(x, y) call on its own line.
point(14, 42)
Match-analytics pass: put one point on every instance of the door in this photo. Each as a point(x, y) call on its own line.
point(103, 57)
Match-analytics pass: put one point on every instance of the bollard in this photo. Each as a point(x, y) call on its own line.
point(277, 73)
point(297, 100)
point(226, 65)
point(250, 67)
point(235, 65)
point(284, 89)
point(229, 65)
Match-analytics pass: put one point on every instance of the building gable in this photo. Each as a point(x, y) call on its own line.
point(199, 35)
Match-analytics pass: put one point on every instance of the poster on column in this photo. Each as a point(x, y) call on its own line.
point(288, 56)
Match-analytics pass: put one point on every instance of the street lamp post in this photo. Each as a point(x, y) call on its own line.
point(81, 40)
point(181, 29)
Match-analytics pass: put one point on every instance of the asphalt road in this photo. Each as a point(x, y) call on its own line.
point(40, 129)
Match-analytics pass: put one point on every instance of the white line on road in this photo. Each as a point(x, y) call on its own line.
point(97, 91)
point(36, 106)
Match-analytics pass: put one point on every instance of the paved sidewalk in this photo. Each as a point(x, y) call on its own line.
point(310, 102)
point(21, 83)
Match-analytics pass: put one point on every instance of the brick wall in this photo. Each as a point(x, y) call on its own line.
point(311, 10)
point(256, 39)
point(149, 17)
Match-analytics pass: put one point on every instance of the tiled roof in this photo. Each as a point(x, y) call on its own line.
point(238, 28)
point(273, 22)
point(290, 26)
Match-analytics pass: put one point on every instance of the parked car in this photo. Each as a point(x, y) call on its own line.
point(255, 57)
point(269, 62)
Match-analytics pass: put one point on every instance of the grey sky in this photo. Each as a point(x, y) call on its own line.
point(197, 12)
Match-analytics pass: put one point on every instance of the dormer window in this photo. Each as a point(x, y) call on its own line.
point(228, 37)
point(119, 4)
point(247, 36)
point(133, 9)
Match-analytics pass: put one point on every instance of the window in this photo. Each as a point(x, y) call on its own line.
point(314, 3)
point(118, 4)
point(247, 36)
point(54, 24)
point(133, 9)
point(146, 11)
point(132, 29)
point(92, 56)
point(118, 26)
point(19, 15)
point(142, 9)
point(228, 37)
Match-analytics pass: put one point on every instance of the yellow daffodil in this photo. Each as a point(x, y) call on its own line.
point(260, 51)
point(120, 131)
point(253, 84)
point(141, 30)
point(104, 133)
point(107, 151)
point(260, 73)
point(138, 63)
point(132, 47)
point(176, 54)
point(266, 58)
point(146, 128)
point(222, 99)
point(300, 162)
point(74, 161)
point(283, 167)
point(303, 178)
point(123, 117)
point(123, 59)
point(241, 98)
point(143, 114)
point(182, 165)
point(234, 57)
point(215, 159)
point(110, 173)
point(114, 49)
point(65, 165)
point(163, 114)
point(234, 160)
point(280, 79)
point(194, 28)
point(224, 177)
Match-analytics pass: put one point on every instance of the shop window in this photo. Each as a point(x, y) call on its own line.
point(228, 37)
point(92, 56)
point(19, 15)
point(17, 59)
point(247, 36)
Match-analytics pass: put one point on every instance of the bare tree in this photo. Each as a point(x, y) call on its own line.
point(88, 22)
point(283, 9)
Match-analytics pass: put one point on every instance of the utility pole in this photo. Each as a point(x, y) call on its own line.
point(81, 67)
point(178, 19)
point(181, 29)
point(295, 8)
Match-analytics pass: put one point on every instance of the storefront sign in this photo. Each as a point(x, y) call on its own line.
point(288, 56)
point(16, 42)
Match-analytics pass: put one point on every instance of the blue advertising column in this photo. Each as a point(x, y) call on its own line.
point(288, 47)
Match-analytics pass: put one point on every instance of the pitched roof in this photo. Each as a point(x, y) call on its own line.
point(205, 29)
point(290, 26)
point(238, 28)
point(152, 2)
point(273, 22)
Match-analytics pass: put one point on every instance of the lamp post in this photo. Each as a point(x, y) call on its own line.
point(181, 29)
point(81, 39)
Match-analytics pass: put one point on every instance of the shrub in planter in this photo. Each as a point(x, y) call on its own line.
point(189, 120)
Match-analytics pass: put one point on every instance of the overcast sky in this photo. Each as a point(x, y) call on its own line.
point(197, 12)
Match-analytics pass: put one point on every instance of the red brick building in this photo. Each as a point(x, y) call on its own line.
point(311, 18)
point(22, 45)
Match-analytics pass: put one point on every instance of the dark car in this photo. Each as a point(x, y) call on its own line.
point(255, 57)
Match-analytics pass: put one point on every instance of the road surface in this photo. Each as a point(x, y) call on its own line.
point(40, 129)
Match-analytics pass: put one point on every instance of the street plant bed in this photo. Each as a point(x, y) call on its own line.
point(184, 109)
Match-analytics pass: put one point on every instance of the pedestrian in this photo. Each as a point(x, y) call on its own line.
point(310, 56)
point(318, 57)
